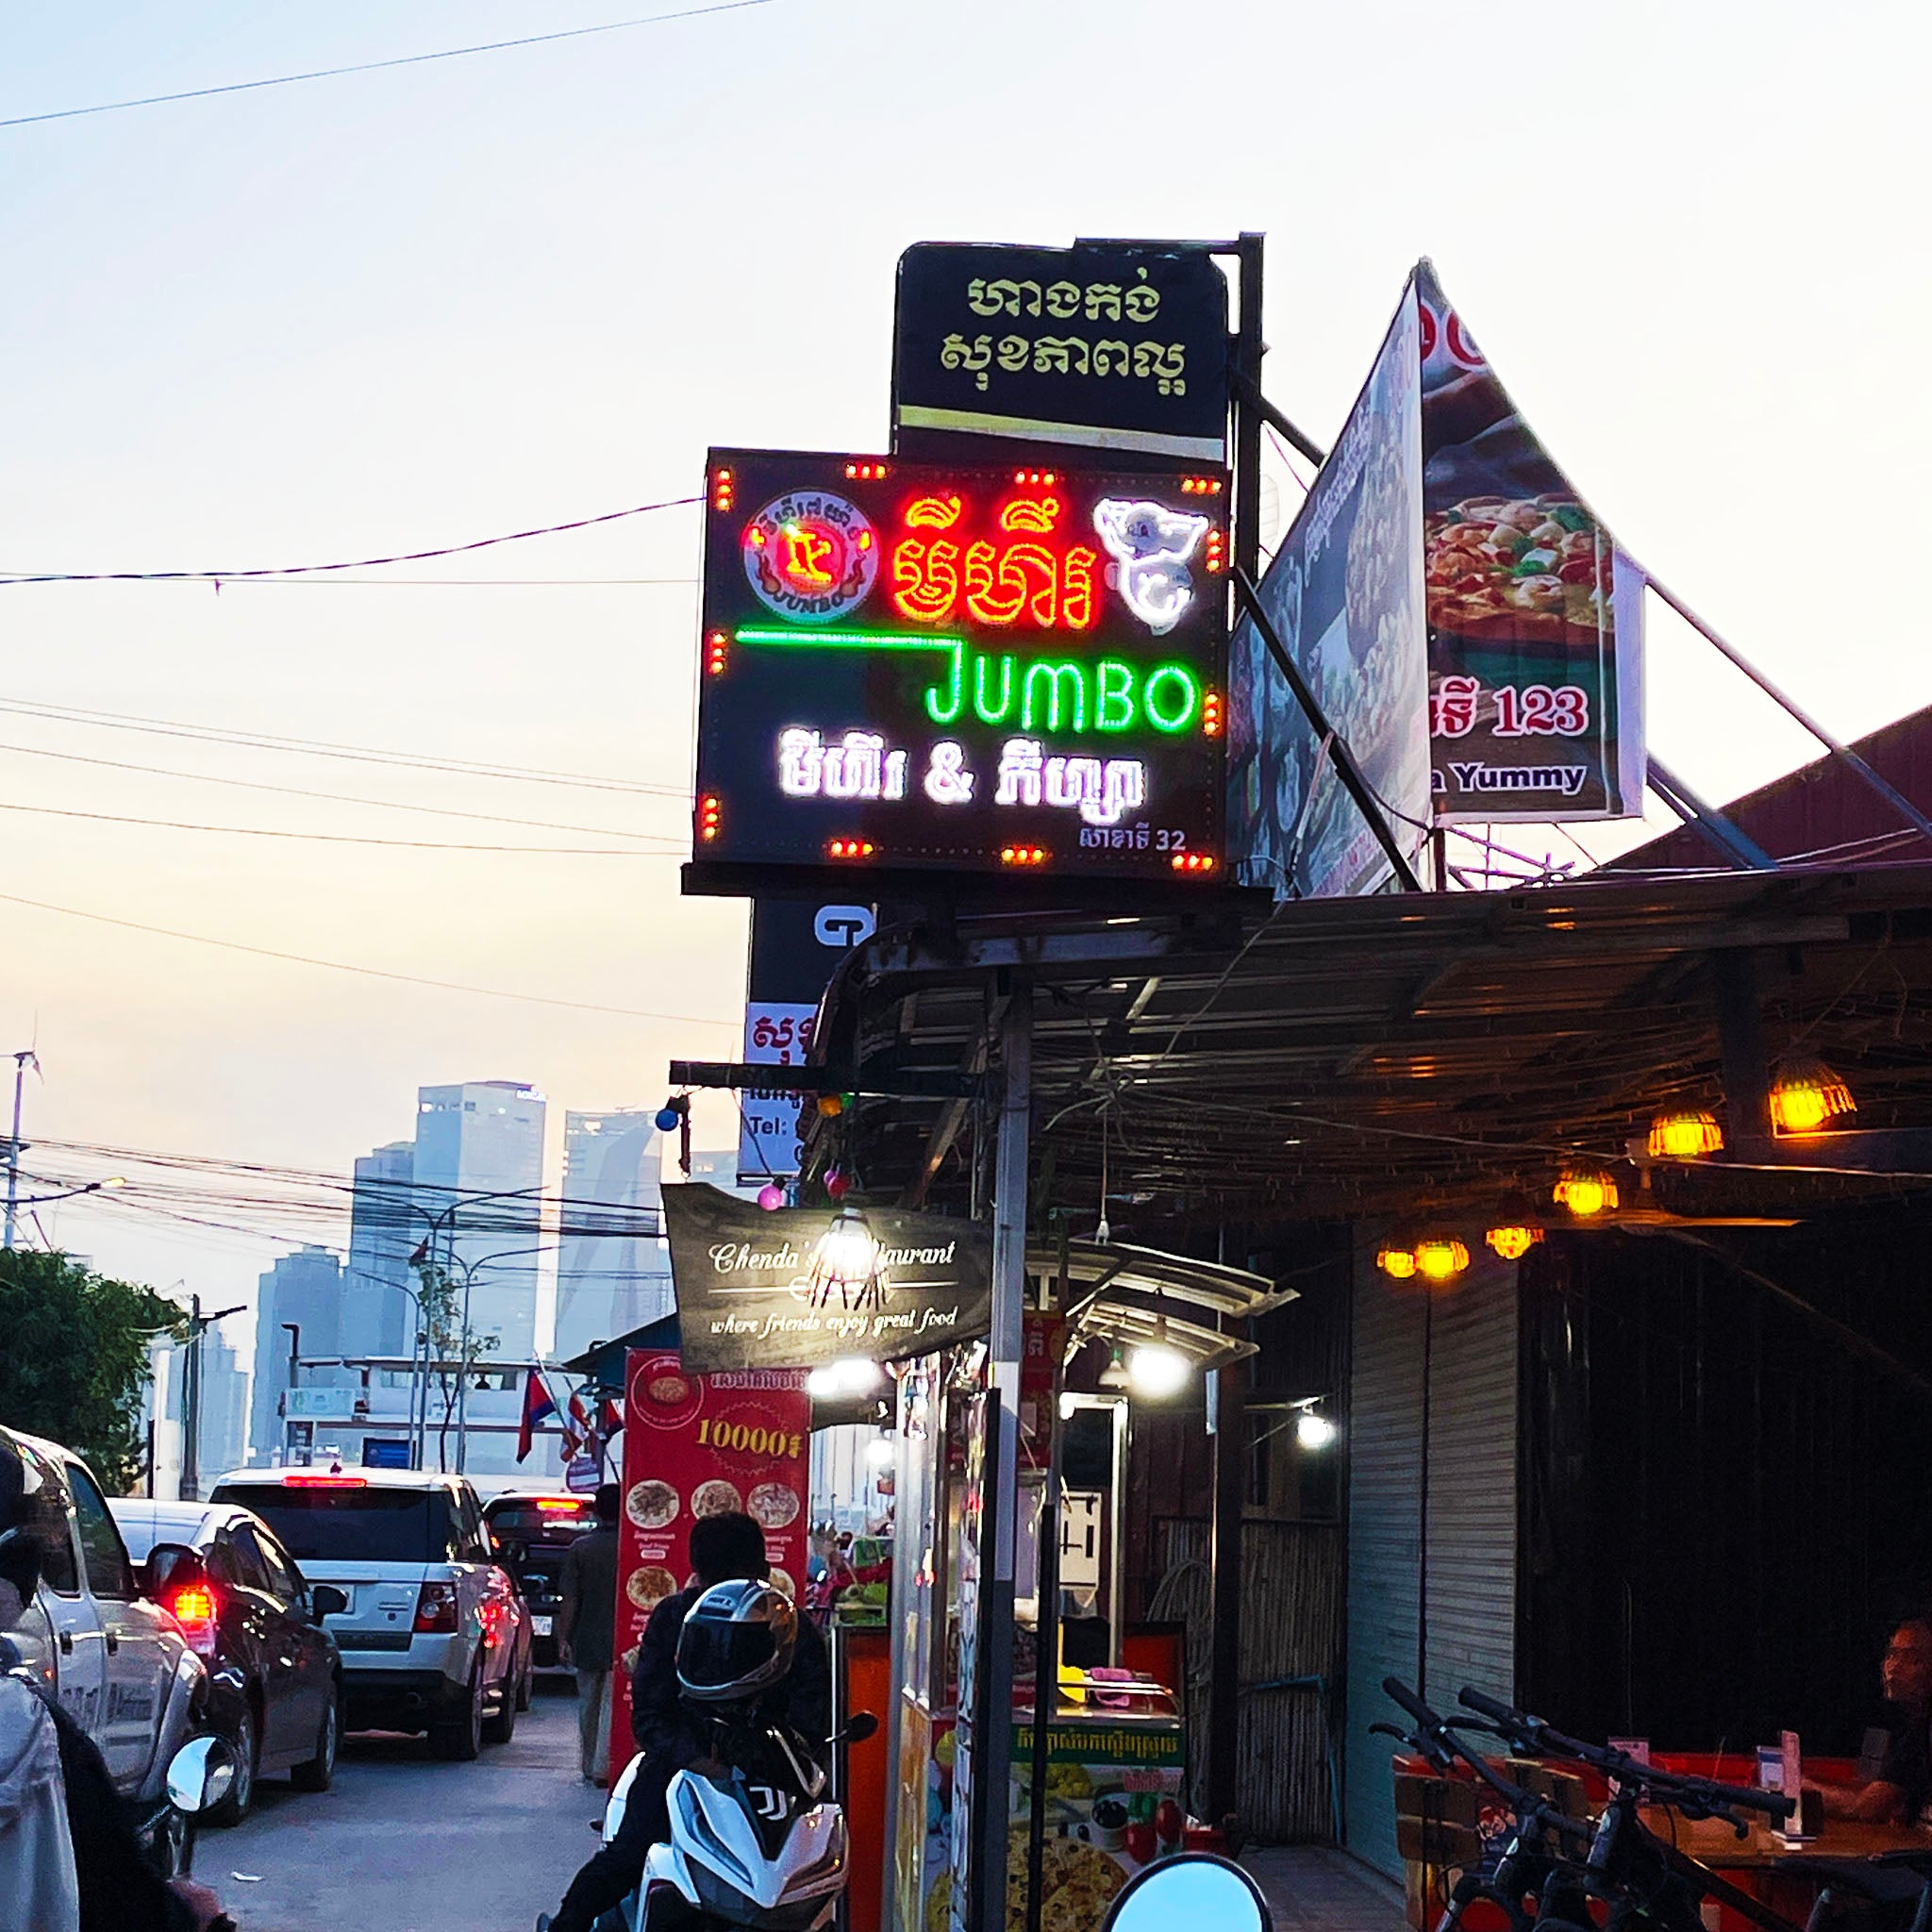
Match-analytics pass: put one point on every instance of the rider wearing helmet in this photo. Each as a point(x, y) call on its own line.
point(730, 1639)
point(67, 1858)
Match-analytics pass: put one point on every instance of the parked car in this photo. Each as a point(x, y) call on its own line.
point(433, 1637)
point(256, 1624)
point(117, 1662)
point(531, 1534)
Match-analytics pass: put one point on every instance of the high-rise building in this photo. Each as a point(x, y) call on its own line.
point(224, 1435)
point(384, 1229)
point(613, 1273)
point(304, 1289)
point(479, 1146)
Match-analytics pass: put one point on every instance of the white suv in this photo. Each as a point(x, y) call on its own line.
point(435, 1637)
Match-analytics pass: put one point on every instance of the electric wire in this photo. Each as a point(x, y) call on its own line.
point(441, 811)
point(330, 748)
point(492, 992)
point(297, 570)
point(238, 86)
point(673, 846)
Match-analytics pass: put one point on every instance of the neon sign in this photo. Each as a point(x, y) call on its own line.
point(911, 666)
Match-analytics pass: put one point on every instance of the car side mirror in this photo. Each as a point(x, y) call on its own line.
point(170, 1569)
point(329, 1600)
point(200, 1774)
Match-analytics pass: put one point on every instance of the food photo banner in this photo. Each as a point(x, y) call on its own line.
point(1535, 616)
point(932, 667)
point(1344, 594)
point(798, 1286)
point(699, 1446)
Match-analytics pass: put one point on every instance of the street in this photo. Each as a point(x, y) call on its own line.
point(404, 1843)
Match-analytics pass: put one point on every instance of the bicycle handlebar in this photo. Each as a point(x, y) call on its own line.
point(1688, 1793)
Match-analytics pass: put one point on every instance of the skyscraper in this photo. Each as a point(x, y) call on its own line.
point(612, 1272)
point(478, 1146)
point(305, 1289)
point(383, 1232)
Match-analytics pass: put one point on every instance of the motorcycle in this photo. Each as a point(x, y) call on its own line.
point(755, 1843)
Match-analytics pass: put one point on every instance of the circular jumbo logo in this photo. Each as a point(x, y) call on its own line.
point(810, 556)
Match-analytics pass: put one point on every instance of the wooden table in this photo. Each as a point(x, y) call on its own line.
point(1712, 1842)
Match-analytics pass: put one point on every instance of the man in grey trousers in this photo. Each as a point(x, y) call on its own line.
point(585, 1630)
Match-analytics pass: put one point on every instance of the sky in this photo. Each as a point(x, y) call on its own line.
point(389, 311)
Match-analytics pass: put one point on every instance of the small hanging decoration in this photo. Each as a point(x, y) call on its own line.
point(837, 1184)
point(1441, 1258)
point(1398, 1264)
point(771, 1197)
point(1684, 1134)
point(831, 1104)
point(1584, 1191)
point(1513, 1240)
point(1806, 1096)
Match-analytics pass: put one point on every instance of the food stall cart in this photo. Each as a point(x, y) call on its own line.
point(1115, 1749)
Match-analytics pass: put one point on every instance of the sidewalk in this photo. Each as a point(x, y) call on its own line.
point(1313, 1889)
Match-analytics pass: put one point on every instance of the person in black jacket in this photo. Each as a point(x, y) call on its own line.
point(118, 1890)
point(724, 1549)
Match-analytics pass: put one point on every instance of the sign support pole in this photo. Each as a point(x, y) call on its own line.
point(993, 1746)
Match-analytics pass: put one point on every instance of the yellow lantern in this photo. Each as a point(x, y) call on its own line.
point(1584, 1191)
point(1513, 1241)
point(1805, 1096)
point(1440, 1260)
point(1684, 1135)
point(1398, 1264)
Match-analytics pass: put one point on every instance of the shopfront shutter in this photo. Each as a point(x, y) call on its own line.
point(1384, 1542)
point(1471, 1608)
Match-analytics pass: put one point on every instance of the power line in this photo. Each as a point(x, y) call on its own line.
point(238, 86)
point(327, 748)
point(111, 818)
point(296, 570)
point(441, 811)
point(367, 971)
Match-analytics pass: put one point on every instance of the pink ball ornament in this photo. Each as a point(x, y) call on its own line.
point(771, 1196)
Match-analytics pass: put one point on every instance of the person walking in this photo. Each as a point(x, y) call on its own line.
point(587, 1623)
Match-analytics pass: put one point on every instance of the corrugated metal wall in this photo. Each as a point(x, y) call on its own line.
point(1466, 1600)
point(1385, 1422)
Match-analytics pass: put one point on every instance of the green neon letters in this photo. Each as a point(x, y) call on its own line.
point(1064, 694)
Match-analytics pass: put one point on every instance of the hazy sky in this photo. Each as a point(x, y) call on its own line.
point(393, 311)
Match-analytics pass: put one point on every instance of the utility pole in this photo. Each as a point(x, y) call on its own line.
point(22, 1062)
point(198, 1325)
point(293, 1331)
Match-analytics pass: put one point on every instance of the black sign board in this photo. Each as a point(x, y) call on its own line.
point(1113, 350)
point(746, 1297)
point(920, 667)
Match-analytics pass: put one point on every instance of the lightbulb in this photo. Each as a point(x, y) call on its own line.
point(823, 1382)
point(880, 1454)
point(1157, 1370)
point(847, 1254)
point(851, 1374)
point(1313, 1431)
point(1115, 1374)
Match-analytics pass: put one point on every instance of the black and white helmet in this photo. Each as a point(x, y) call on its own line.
point(737, 1641)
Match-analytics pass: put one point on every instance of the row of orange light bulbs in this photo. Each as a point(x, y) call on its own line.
point(1806, 1097)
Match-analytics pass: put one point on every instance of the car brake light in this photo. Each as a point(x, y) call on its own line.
point(195, 1610)
point(326, 1482)
point(436, 1609)
point(561, 1506)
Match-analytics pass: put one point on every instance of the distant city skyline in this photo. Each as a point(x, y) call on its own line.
point(613, 1275)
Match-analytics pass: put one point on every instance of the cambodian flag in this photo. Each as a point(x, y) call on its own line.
point(538, 1404)
point(579, 1430)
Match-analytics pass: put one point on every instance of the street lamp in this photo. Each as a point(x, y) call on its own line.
point(470, 1268)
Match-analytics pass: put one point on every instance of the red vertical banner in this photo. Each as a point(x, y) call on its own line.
point(701, 1445)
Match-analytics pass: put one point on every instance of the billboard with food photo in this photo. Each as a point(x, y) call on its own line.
point(695, 1446)
point(1344, 595)
point(1535, 616)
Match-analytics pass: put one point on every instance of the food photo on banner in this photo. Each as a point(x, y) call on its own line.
point(1344, 594)
point(697, 1445)
point(958, 668)
point(808, 1286)
point(1099, 348)
point(1535, 616)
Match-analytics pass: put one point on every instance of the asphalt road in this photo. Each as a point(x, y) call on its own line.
point(404, 1843)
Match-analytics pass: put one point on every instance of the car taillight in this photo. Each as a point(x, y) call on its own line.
point(436, 1609)
point(195, 1610)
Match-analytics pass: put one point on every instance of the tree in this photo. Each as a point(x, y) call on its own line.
point(75, 1360)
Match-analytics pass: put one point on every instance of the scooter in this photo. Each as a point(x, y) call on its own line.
point(755, 1843)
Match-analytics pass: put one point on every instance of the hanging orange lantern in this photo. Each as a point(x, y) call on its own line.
point(1513, 1240)
point(1584, 1191)
point(1440, 1260)
point(1398, 1264)
point(1683, 1135)
point(1806, 1096)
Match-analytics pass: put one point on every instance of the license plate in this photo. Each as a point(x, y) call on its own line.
point(540, 1626)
